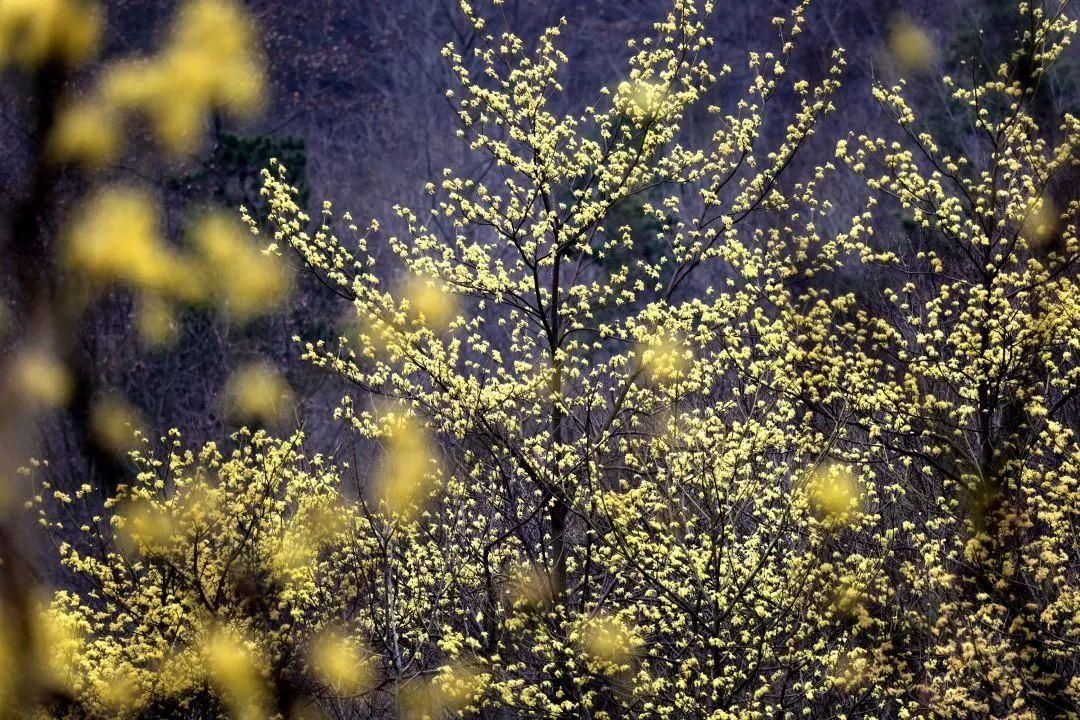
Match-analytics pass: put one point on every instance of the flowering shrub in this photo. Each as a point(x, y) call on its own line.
point(705, 485)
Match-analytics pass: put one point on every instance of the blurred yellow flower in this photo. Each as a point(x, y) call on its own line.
point(851, 670)
point(834, 493)
point(86, 133)
point(220, 34)
point(1040, 224)
point(16, 678)
point(115, 422)
point(210, 63)
point(458, 686)
point(642, 98)
point(147, 528)
point(59, 639)
point(155, 320)
point(130, 84)
point(450, 692)
point(531, 590)
point(849, 599)
point(114, 237)
point(234, 669)
point(405, 477)
point(258, 392)
point(117, 689)
point(293, 554)
point(177, 107)
point(429, 305)
point(666, 360)
point(39, 377)
point(911, 47)
point(608, 642)
point(339, 663)
point(33, 32)
point(244, 280)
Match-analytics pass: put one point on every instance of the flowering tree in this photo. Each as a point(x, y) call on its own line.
point(696, 482)
point(964, 389)
point(112, 239)
point(621, 477)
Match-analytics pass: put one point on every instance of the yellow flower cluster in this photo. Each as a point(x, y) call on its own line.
point(39, 378)
point(116, 423)
point(198, 525)
point(115, 238)
point(257, 392)
point(88, 133)
point(339, 664)
point(35, 32)
point(235, 670)
point(250, 280)
point(210, 63)
point(911, 46)
point(407, 473)
point(608, 644)
point(834, 493)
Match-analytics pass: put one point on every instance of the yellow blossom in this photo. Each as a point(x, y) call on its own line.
point(216, 39)
point(835, 493)
point(1041, 221)
point(454, 689)
point(531, 590)
point(33, 32)
point(666, 360)
point(209, 63)
point(148, 528)
point(244, 280)
point(429, 305)
point(118, 691)
point(339, 663)
point(155, 320)
point(87, 133)
point(114, 237)
point(608, 642)
point(257, 391)
point(60, 641)
point(405, 475)
point(234, 668)
point(40, 378)
point(115, 422)
point(643, 98)
point(911, 46)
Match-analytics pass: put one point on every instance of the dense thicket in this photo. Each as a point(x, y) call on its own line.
point(697, 399)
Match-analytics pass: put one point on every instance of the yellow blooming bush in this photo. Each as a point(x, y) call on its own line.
point(961, 389)
point(225, 583)
point(716, 484)
point(621, 526)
